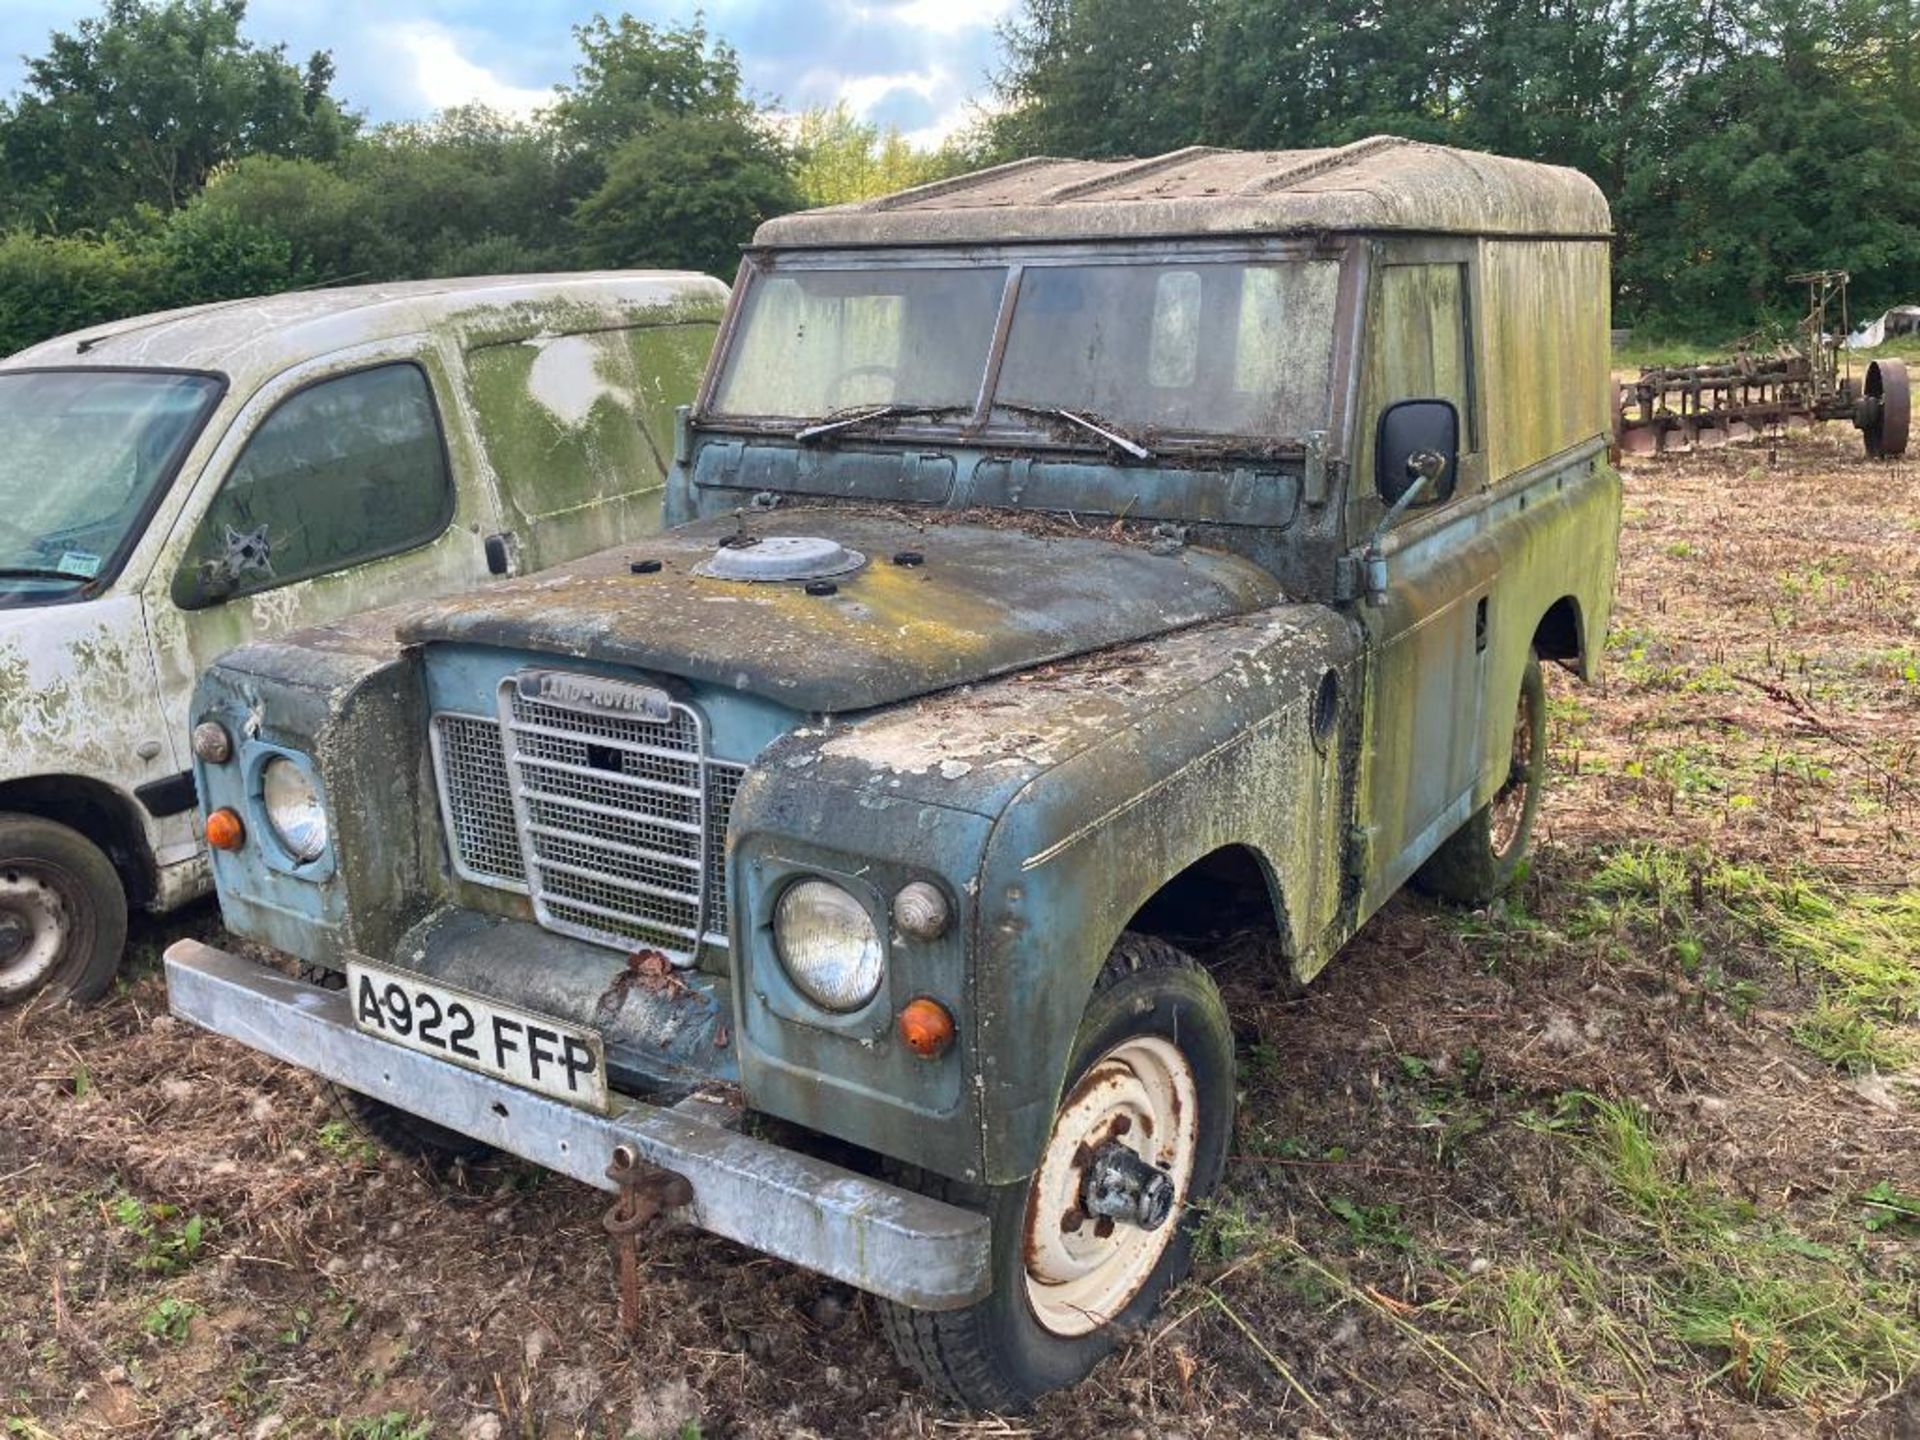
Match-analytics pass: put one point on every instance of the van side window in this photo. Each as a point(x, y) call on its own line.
point(578, 430)
point(344, 471)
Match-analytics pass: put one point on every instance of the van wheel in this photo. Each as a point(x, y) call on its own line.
point(63, 913)
point(1086, 1247)
point(1480, 859)
point(388, 1126)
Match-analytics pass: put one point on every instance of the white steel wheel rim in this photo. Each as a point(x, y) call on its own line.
point(31, 907)
point(1081, 1273)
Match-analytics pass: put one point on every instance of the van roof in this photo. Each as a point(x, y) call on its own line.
point(251, 339)
point(1382, 184)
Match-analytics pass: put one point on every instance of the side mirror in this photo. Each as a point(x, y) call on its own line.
point(1416, 438)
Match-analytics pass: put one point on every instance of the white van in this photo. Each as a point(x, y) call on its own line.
point(179, 484)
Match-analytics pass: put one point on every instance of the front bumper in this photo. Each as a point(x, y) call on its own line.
point(877, 1237)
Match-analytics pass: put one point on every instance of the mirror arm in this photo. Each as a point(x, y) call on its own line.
point(1375, 557)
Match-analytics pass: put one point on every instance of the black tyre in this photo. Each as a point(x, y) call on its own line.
point(63, 913)
point(388, 1126)
point(1152, 1073)
point(1480, 859)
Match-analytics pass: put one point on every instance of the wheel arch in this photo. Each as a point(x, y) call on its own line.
point(1235, 880)
point(109, 818)
point(1560, 635)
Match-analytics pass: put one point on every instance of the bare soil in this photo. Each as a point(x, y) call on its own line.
point(1491, 1168)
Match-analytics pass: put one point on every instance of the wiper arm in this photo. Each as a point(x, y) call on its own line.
point(834, 424)
point(1092, 427)
point(38, 572)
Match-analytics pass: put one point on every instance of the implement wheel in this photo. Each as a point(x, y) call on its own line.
point(1887, 411)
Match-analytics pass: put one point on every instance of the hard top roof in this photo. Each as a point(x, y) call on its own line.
point(251, 339)
point(1382, 184)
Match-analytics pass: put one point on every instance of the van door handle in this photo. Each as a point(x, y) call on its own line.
point(1480, 627)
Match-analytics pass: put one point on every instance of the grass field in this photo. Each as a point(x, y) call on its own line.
point(1636, 1154)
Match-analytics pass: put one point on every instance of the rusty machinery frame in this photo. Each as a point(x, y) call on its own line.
point(1768, 387)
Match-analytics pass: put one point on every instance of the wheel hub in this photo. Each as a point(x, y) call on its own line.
point(1121, 1186)
point(33, 930)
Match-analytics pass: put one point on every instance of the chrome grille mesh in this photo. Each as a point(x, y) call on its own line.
point(616, 826)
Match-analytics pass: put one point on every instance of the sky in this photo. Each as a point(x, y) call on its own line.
point(916, 64)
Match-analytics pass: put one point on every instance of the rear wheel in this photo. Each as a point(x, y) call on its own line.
point(63, 913)
point(389, 1126)
point(1087, 1247)
point(1480, 859)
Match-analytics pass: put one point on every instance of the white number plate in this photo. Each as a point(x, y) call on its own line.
point(532, 1051)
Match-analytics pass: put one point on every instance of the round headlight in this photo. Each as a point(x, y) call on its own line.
point(827, 942)
point(293, 809)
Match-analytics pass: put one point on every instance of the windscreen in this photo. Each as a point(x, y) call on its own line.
point(1225, 348)
point(83, 454)
point(1213, 349)
point(816, 342)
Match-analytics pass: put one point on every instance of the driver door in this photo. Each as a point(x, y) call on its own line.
point(334, 492)
point(1428, 641)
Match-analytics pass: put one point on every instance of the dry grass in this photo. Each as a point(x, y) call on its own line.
point(1634, 1155)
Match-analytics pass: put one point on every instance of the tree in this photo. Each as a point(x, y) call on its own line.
point(141, 105)
point(687, 194)
point(841, 158)
point(633, 76)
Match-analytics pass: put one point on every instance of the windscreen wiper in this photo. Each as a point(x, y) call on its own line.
point(1093, 427)
point(39, 572)
point(834, 424)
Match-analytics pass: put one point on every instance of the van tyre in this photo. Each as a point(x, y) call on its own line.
point(63, 913)
point(388, 1126)
point(1480, 860)
point(1152, 1071)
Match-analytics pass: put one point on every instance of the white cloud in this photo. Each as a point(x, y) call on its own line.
point(943, 17)
point(443, 77)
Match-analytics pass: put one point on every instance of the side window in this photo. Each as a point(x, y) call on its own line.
point(578, 430)
point(345, 471)
point(1419, 348)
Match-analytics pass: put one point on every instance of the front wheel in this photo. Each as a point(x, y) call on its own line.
point(1087, 1247)
point(1480, 860)
point(63, 913)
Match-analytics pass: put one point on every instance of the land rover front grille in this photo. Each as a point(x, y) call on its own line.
point(616, 826)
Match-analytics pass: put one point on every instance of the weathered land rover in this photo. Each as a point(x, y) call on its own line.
point(1055, 550)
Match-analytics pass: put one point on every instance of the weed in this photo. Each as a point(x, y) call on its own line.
point(1371, 1227)
point(1889, 1209)
point(167, 1321)
point(394, 1425)
point(1226, 1231)
point(171, 1243)
point(1527, 1302)
point(1841, 1035)
point(340, 1140)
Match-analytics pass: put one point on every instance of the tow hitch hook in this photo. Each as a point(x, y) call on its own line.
point(645, 1191)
